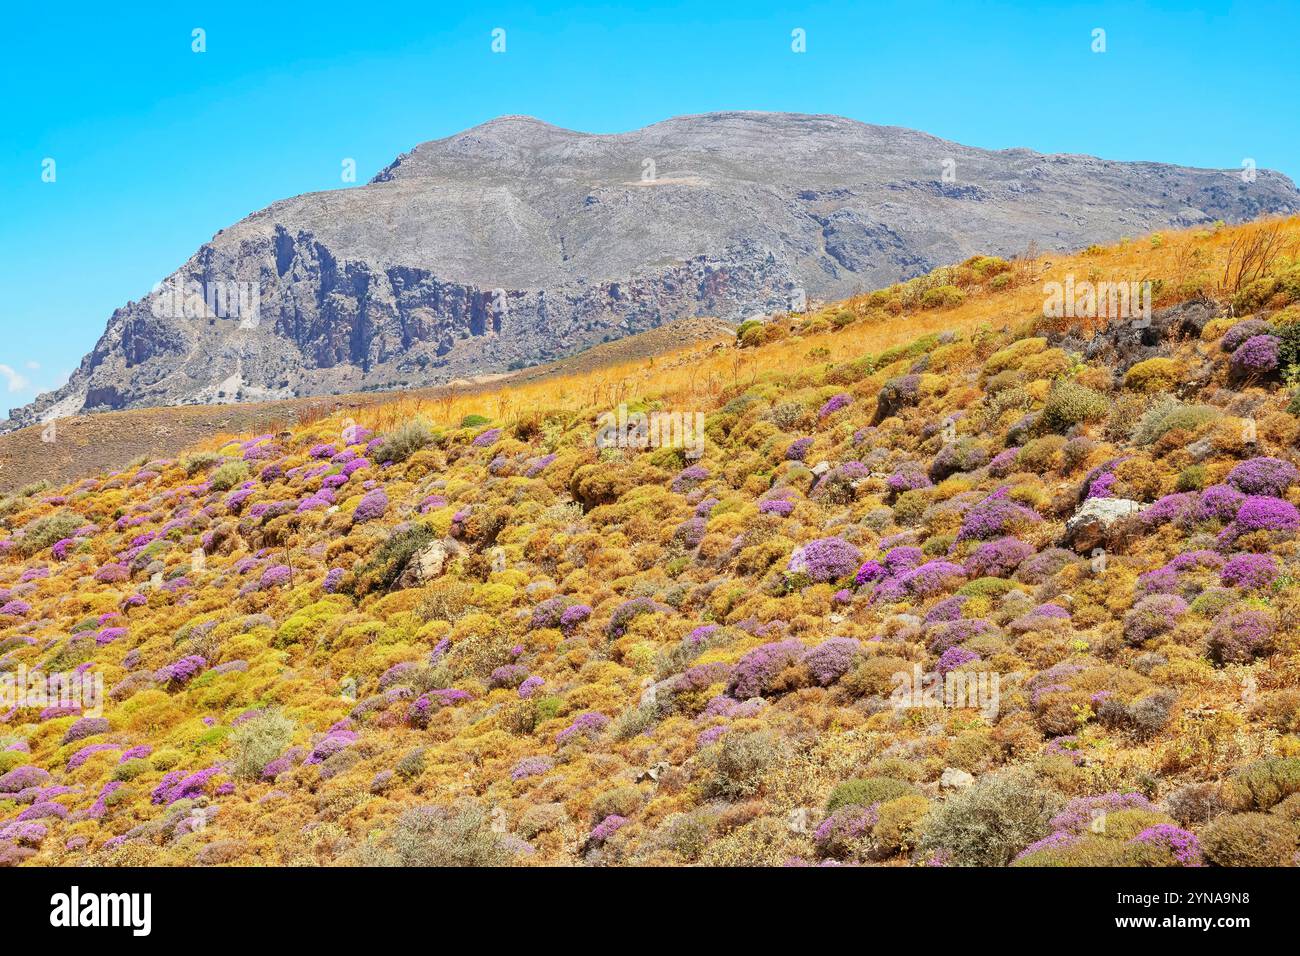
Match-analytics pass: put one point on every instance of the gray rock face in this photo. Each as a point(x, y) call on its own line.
point(517, 242)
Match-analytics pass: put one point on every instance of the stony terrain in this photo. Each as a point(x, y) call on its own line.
point(517, 242)
point(461, 633)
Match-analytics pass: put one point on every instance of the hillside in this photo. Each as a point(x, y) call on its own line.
point(452, 630)
point(85, 445)
point(517, 242)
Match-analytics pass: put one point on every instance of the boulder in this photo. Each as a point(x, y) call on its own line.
point(653, 773)
point(1090, 527)
point(955, 779)
point(427, 564)
point(803, 819)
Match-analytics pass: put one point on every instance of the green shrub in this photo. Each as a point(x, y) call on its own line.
point(635, 721)
point(547, 708)
point(1088, 850)
point(942, 297)
point(1262, 783)
point(911, 505)
point(228, 475)
point(1280, 288)
point(258, 741)
point(542, 818)
point(864, 791)
point(441, 836)
point(128, 771)
point(989, 822)
point(1166, 414)
point(200, 461)
point(987, 587)
point(760, 843)
point(741, 762)
point(623, 801)
point(1191, 478)
point(44, 532)
point(388, 561)
point(474, 421)
point(405, 441)
point(687, 834)
point(1286, 326)
point(1153, 375)
point(1069, 404)
point(412, 764)
point(1249, 839)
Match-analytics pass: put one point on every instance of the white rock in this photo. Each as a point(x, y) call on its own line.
point(954, 779)
point(803, 820)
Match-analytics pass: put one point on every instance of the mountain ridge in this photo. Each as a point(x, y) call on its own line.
point(516, 242)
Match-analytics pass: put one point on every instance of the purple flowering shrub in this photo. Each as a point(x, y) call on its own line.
point(757, 670)
point(798, 449)
point(825, 559)
point(831, 659)
point(1257, 356)
point(371, 507)
point(584, 727)
point(1263, 476)
point(1153, 616)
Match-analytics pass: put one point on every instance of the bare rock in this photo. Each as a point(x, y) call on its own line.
point(1091, 526)
point(427, 564)
point(955, 779)
point(509, 243)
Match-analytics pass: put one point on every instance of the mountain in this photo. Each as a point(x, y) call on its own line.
point(517, 242)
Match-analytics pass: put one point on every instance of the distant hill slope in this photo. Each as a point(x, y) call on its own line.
point(516, 242)
point(86, 445)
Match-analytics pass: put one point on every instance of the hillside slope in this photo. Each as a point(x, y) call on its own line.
point(517, 242)
point(86, 445)
point(459, 633)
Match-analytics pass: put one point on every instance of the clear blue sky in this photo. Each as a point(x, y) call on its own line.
point(157, 147)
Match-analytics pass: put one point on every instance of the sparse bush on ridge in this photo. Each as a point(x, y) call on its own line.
point(404, 441)
point(228, 475)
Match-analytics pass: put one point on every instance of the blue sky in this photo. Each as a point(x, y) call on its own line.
point(157, 147)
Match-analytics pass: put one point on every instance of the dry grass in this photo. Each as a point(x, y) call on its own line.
point(689, 376)
point(686, 377)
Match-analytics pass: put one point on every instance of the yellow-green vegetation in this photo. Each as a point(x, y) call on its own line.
point(460, 633)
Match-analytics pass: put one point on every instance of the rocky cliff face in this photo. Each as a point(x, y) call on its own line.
point(517, 242)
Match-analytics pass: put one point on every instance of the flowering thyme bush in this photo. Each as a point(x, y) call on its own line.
point(825, 559)
point(372, 506)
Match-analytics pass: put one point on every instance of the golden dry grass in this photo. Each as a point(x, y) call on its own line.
point(688, 376)
point(691, 376)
